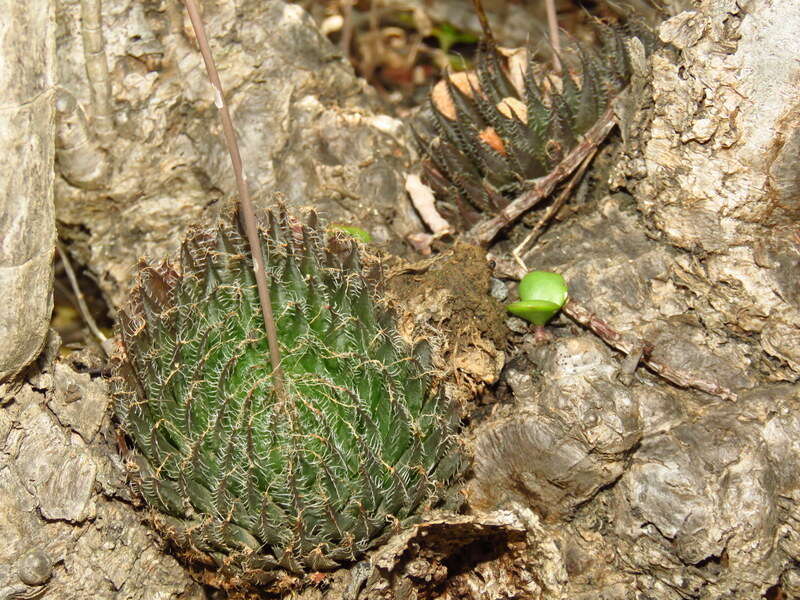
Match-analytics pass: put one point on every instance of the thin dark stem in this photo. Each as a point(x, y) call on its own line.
point(522, 249)
point(246, 205)
point(636, 349)
point(80, 301)
point(484, 21)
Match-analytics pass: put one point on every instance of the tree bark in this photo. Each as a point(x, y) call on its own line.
point(310, 133)
point(591, 478)
point(69, 528)
point(719, 174)
point(647, 489)
point(65, 532)
point(27, 221)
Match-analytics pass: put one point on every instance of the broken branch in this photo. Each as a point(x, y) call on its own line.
point(520, 251)
point(627, 344)
point(485, 231)
point(630, 345)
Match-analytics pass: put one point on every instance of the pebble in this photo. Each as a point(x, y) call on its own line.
point(34, 567)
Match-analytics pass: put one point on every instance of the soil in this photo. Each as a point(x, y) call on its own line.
point(465, 275)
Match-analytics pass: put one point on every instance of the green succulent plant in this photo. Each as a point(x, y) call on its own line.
point(486, 137)
point(237, 475)
point(541, 296)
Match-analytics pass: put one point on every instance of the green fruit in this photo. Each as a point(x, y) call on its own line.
point(542, 294)
point(237, 475)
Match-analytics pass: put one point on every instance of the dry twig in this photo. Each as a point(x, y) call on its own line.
point(246, 206)
point(630, 345)
point(522, 249)
point(79, 299)
point(347, 28)
point(484, 21)
point(94, 56)
point(485, 231)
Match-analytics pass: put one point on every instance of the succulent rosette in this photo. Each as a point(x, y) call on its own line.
point(241, 477)
point(495, 128)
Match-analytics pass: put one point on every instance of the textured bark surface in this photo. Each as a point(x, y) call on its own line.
point(647, 488)
point(718, 175)
point(590, 479)
point(27, 224)
point(653, 491)
point(308, 130)
point(68, 528)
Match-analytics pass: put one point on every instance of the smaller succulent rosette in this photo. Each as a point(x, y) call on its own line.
point(494, 129)
point(541, 296)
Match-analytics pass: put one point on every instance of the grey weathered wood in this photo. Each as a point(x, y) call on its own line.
point(307, 128)
point(27, 223)
point(68, 528)
point(718, 173)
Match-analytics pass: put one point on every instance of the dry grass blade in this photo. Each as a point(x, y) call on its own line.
point(552, 26)
point(246, 205)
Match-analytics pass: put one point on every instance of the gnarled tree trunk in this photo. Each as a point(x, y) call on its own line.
point(589, 479)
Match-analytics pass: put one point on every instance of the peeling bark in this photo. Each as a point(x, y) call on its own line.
point(718, 175)
point(69, 531)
